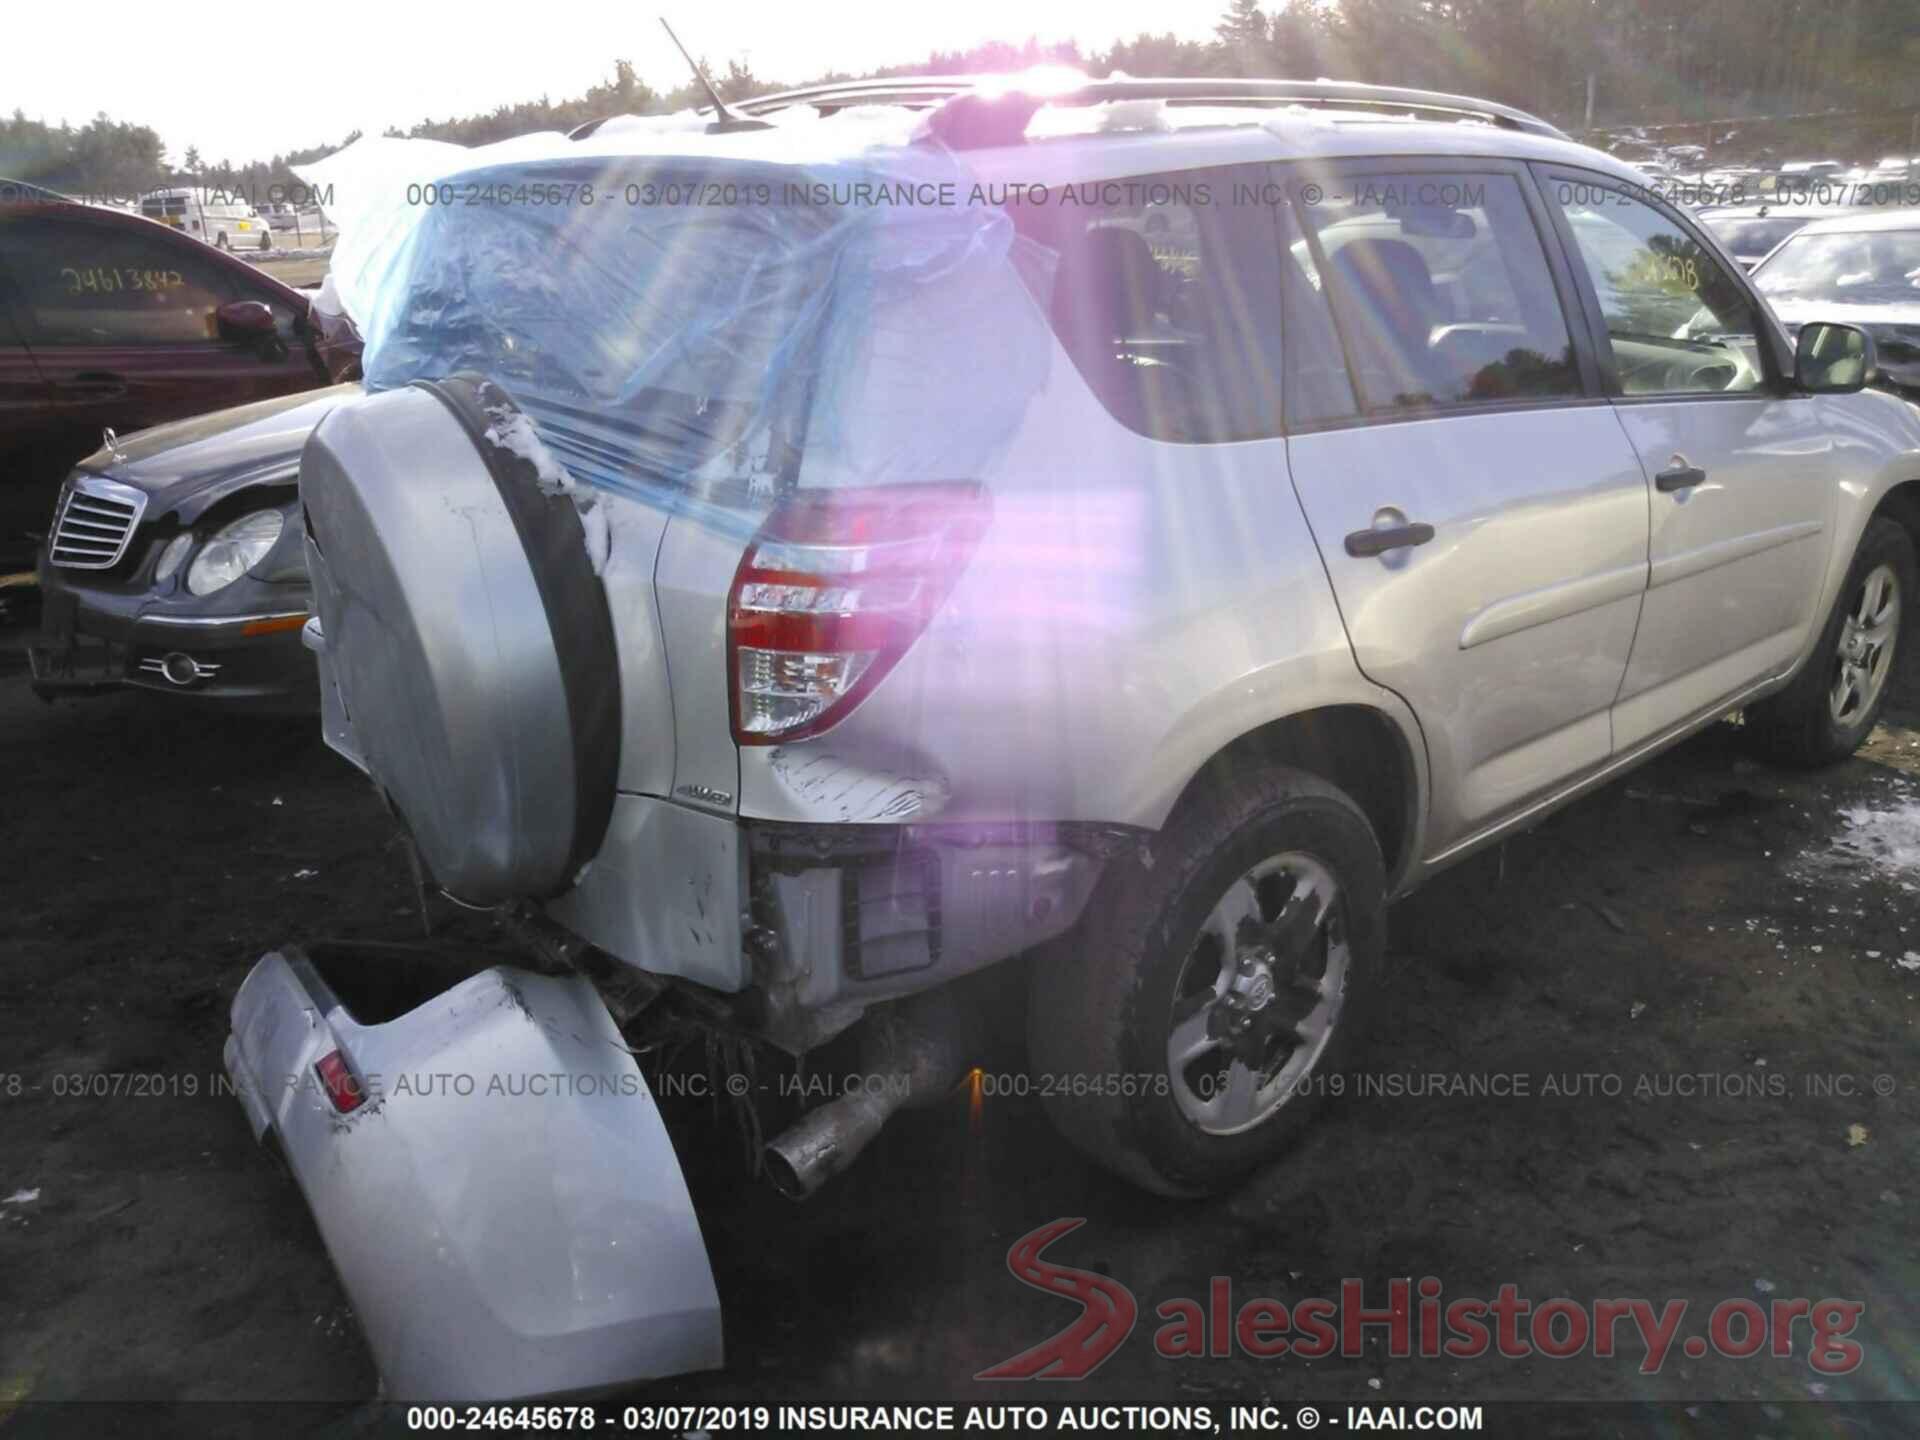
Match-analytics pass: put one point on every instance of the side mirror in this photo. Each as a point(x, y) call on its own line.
point(1831, 359)
point(245, 320)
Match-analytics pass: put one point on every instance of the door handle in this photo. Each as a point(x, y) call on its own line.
point(1678, 476)
point(1363, 543)
point(99, 385)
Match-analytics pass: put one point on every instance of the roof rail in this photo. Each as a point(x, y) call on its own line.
point(932, 90)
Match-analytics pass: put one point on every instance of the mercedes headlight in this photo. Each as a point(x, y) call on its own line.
point(233, 551)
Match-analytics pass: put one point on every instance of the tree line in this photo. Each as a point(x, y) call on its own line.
point(1632, 61)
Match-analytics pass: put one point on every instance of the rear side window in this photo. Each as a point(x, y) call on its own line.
point(1166, 296)
point(1441, 290)
point(81, 284)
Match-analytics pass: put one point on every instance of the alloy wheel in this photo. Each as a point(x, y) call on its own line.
point(1865, 652)
point(1259, 995)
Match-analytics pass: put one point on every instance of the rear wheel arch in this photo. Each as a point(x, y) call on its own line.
point(1360, 750)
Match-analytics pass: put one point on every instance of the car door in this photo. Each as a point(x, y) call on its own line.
point(121, 316)
point(24, 397)
point(24, 404)
point(1741, 511)
point(1479, 510)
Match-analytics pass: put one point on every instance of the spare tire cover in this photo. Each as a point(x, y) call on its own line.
point(467, 634)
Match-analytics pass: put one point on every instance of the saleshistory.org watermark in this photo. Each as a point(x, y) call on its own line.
point(1416, 1319)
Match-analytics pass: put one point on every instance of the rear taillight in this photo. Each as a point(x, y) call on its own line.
point(831, 593)
point(337, 1080)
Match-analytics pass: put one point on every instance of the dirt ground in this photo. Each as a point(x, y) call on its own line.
point(1701, 927)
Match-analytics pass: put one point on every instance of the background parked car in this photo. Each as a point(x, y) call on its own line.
point(1802, 176)
point(219, 219)
point(175, 561)
point(1862, 269)
point(312, 225)
point(111, 321)
point(1750, 231)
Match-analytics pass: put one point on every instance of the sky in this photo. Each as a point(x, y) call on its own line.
point(243, 82)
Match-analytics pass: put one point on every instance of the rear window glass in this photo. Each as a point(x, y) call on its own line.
point(1750, 238)
point(1166, 298)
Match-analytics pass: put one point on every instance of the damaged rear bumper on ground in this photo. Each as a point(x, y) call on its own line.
point(487, 1168)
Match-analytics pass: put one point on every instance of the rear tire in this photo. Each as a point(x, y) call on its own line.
point(1133, 1064)
point(1831, 706)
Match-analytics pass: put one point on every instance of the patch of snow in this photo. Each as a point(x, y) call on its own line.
point(21, 1197)
point(513, 431)
point(681, 122)
point(327, 297)
point(1110, 117)
point(1889, 839)
point(593, 519)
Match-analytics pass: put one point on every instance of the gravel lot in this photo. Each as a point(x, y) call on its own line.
point(1704, 917)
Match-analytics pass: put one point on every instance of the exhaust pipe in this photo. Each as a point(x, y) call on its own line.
point(913, 1052)
point(826, 1141)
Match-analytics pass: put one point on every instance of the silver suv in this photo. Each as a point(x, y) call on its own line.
point(1144, 529)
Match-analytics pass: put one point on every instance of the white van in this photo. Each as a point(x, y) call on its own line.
point(209, 215)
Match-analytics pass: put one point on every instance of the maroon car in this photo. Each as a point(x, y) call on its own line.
point(111, 321)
